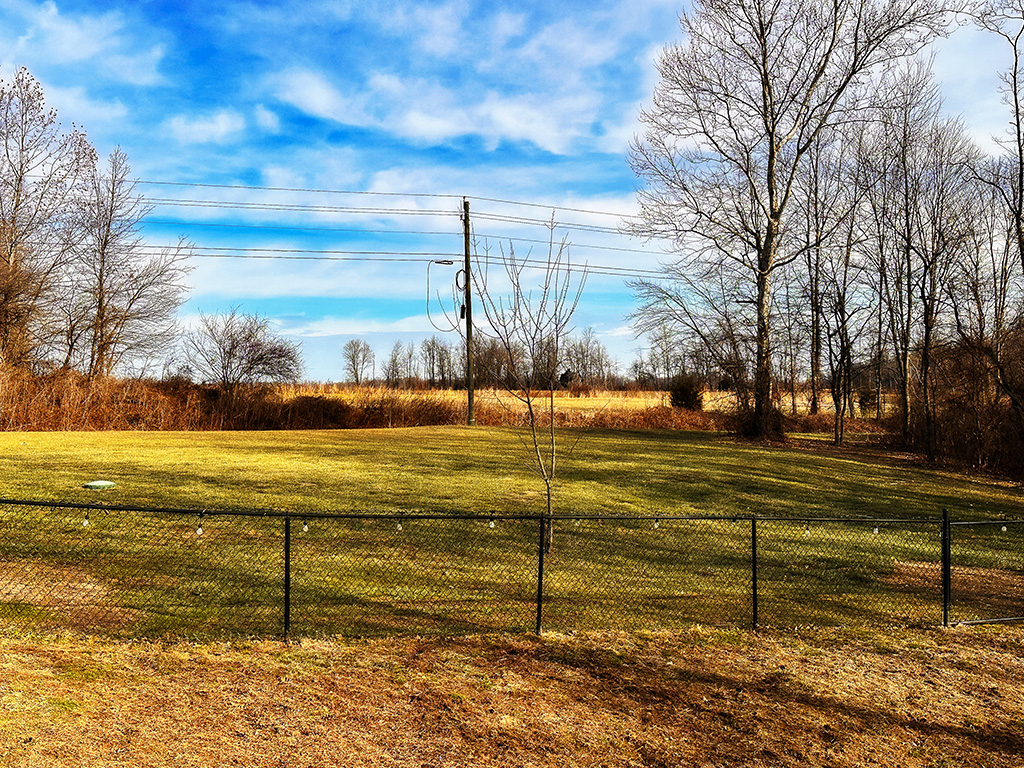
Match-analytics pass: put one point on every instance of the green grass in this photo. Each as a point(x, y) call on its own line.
point(482, 470)
point(141, 573)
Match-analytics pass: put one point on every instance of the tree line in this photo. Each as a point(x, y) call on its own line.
point(835, 229)
point(436, 362)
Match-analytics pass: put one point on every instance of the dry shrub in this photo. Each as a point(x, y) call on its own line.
point(810, 422)
point(381, 407)
point(66, 400)
point(824, 423)
point(577, 389)
point(660, 417)
point(654, 417)
point(317, 412)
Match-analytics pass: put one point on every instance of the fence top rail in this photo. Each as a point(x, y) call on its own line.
point(993, 521)
point(409, 515)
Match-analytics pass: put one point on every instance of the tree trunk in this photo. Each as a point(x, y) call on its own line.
point(814, 273)
point(762, 423)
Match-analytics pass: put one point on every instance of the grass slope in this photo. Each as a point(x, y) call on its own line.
point(484, 470)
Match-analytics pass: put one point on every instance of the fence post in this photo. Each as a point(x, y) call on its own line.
point(287, 576)
point(540, 569)
point(946, 567)
point(753, 568)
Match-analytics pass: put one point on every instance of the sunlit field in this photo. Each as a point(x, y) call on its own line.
point(572, 400)
point(482, 469)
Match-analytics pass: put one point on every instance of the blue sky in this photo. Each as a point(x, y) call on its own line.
point(530, 102)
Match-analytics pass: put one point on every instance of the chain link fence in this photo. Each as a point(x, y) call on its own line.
point(986, 571)
point(140, 572)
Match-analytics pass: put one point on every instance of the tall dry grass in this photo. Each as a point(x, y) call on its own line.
point(67, 401)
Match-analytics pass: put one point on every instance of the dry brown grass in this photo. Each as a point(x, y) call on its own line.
point(700, 698)
point(66, 401)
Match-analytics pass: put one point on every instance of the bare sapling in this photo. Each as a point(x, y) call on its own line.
point(528, 309)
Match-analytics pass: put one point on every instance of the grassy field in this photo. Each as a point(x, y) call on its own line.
point(700, 697)
point(485, 470)
point(145, 574)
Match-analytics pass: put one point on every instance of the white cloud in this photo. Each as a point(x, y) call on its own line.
point(72, 39)
point(50, 37)
point(316, 166)
point(315, 95)
point(423, 110)
point(75, 105)
point(506, 26)
point(137, 68)
point(439, 29)
point(267, 120)
point(352, 326)
point(566, 45)
point(200, 130)
point(551, 123)
point(622, 330)
point(433, 29)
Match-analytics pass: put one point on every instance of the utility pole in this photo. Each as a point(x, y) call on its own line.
point(468, 306)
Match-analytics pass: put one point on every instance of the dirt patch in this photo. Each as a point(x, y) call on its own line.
point(990, 593)
point(68, 594)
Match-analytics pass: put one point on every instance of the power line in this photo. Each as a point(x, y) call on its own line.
point(377, 211)
point(296, 228)
point(546, 223)
point(552, 207)
point(414, 257)
point(360, 230)
point(373, 211)
point(382, 256)
point(373, 193)
point(327, 252)
point(450, 196)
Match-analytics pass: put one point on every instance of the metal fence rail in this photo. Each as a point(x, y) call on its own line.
point(134, 571)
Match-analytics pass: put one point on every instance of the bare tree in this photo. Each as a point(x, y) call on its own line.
point(358, 359)
point(588, 359)
point(991, 325)
point(737, 109)
point(1005, 18)
point(712, 310)
point(236, 349)
point(923, 178)
point(438, 361)
point(42, 171)
point(394, 366)
point(530, 323)
point(118, 302)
